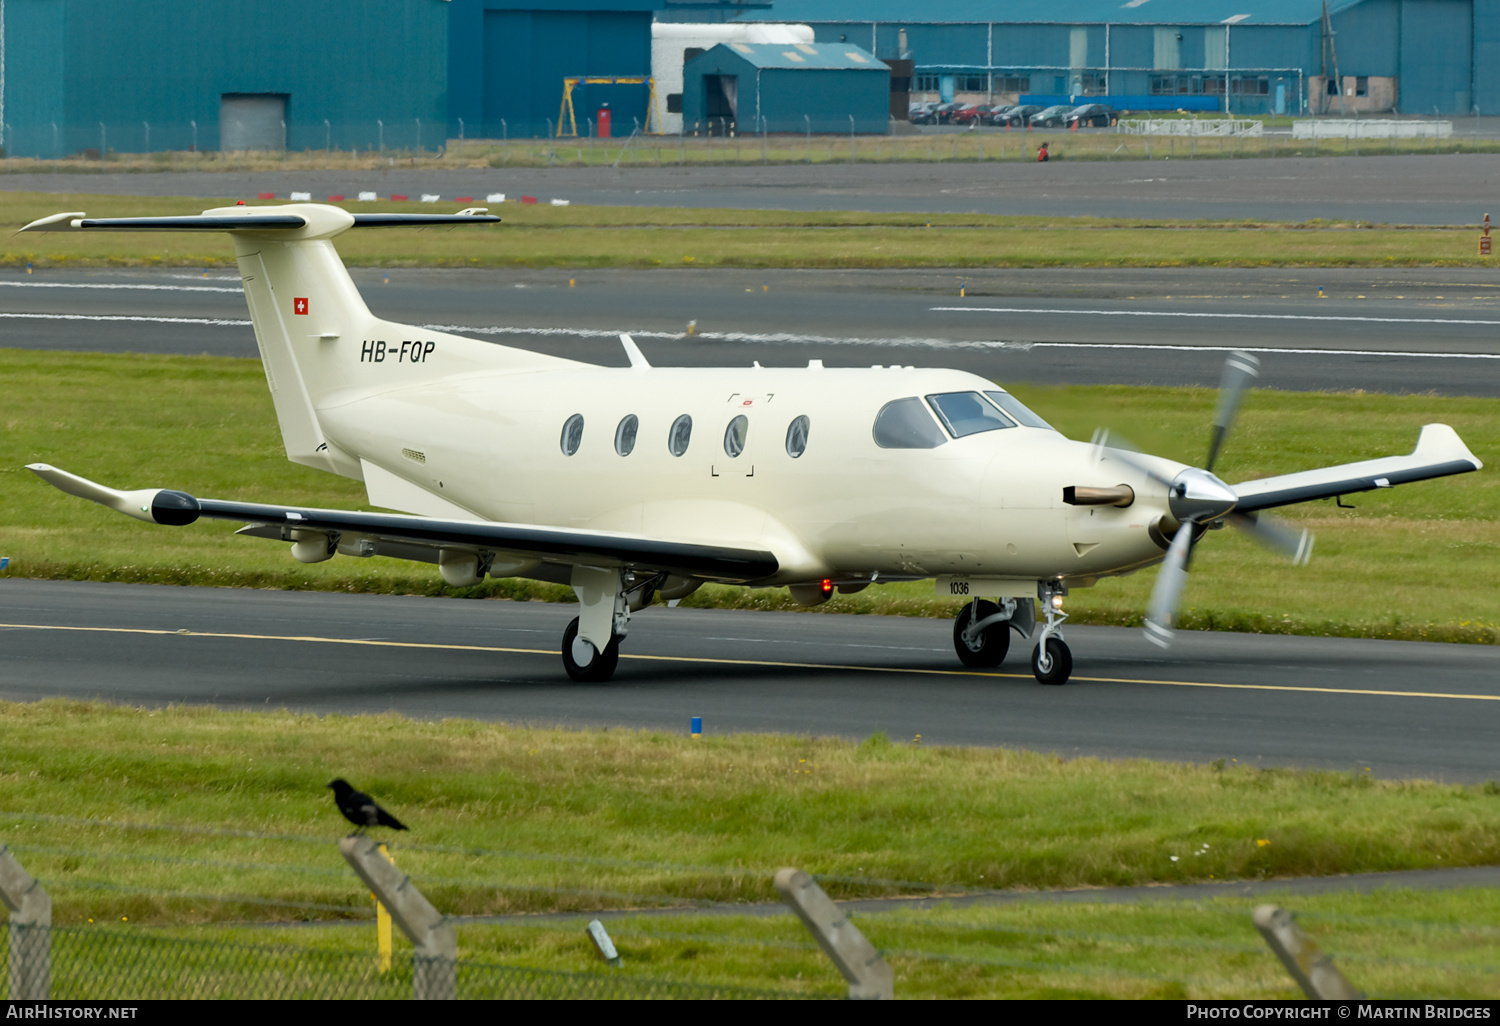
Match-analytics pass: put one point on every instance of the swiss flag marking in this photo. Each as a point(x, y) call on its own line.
point(299, 305)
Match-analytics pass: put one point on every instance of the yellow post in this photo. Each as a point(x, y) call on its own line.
point(383, 925)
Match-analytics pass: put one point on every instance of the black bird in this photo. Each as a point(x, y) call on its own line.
point(360, 809)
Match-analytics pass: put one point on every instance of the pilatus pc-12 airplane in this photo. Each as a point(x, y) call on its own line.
point(644, 482)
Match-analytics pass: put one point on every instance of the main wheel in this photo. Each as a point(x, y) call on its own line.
point(583, 661)
point(989, 648)
point(1054, 666)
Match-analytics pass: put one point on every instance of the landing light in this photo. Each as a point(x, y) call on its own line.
point(1057, 601)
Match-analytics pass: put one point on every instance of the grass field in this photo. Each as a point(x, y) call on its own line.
point(194, 823)
point(587, 237)
point(1416, 562)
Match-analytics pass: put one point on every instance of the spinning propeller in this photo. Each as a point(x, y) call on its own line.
point(1197, 500)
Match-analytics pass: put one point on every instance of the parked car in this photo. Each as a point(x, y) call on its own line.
point(1052, 117)
point(943, 112)
point(971, 114)
point(920, 113)
point(1016, 116)
point(1092, 115)
point(996, 114)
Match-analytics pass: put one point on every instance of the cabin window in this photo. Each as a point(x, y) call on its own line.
point(796, 437)
point(625, 434)
point(734, 435)
point(1018, 411)
point(680, 435)
point(966, 413)
point(906, 424)
point(572, 434)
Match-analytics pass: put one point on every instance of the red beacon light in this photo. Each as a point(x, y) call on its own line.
point(827, 586)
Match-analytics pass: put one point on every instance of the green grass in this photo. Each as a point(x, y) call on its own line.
point(1411, 563)
point(195, 823)
point(648, 237)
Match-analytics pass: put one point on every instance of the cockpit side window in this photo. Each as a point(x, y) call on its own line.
point(906, 424)
point(966, 413)
point(1013, 406)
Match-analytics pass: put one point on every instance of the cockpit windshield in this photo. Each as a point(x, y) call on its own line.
point(1013, 406)
point(966, 413)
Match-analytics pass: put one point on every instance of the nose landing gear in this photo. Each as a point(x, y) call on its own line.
point(1052, 660)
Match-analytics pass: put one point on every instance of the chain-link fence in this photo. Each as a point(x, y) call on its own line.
point(112, 963)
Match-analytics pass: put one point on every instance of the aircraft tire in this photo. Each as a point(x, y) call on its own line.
point(993, 643)
point(1060, 660)
point(596, 670)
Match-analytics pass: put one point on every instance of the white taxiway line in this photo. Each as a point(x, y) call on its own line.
point(1223, 316)
point(785, 338)
point(217, 322)
point(115, 285)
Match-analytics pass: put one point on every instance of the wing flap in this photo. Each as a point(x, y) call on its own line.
point(1439, 453)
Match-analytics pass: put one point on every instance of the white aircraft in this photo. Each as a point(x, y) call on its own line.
point(642, 482)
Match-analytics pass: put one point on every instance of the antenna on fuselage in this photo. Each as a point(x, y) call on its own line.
point(637, 358)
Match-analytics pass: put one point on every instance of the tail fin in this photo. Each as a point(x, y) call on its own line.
point(318, 341)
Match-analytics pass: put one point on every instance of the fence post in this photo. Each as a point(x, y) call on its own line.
point(868, 974)
point(30, 931)
point(435, 962)
point(1309, 966)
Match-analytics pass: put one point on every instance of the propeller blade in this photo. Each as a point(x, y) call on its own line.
point(1295, 543)
point(1239, 370)
point(1120, 449)
point(1170, 580)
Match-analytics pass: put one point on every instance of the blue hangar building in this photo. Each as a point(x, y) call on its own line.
point(1246, 56)
point(150, 75)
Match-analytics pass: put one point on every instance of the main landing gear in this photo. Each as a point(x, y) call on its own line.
point(981, 633)
point(591, 642)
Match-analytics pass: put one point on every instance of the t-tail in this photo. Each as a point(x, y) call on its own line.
point(319, 342)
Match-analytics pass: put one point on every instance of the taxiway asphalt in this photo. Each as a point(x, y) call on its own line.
point(1396, 709)
point(1407, 189)
point(1398, 330)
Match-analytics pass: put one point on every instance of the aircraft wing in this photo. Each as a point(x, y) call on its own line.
point(412, 537)
point(1439, 452)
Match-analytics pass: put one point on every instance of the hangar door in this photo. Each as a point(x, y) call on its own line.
point(721, 103)
point(252, 121)
point(1436, 57)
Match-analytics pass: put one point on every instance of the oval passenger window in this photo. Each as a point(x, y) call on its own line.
point(796, 437)
point(625, 434)
point(734, 435)
point(680, 435)
point(572, 434)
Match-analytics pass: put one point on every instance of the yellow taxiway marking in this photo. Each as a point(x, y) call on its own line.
point(744, 662)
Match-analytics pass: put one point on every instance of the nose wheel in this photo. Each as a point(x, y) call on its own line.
point(1052, 661)
point(585, 663)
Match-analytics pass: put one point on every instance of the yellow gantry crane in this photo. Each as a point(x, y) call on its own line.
point(567, 120)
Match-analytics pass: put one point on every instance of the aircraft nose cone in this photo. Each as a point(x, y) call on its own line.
point(1199, 495)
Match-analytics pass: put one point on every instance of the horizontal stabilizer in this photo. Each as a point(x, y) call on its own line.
point(286, 218)
point(563, 545)
point(1439, 452)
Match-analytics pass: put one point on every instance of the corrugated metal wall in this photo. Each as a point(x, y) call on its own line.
point(1436, 56)
point(82, 74)
point(528, 53)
